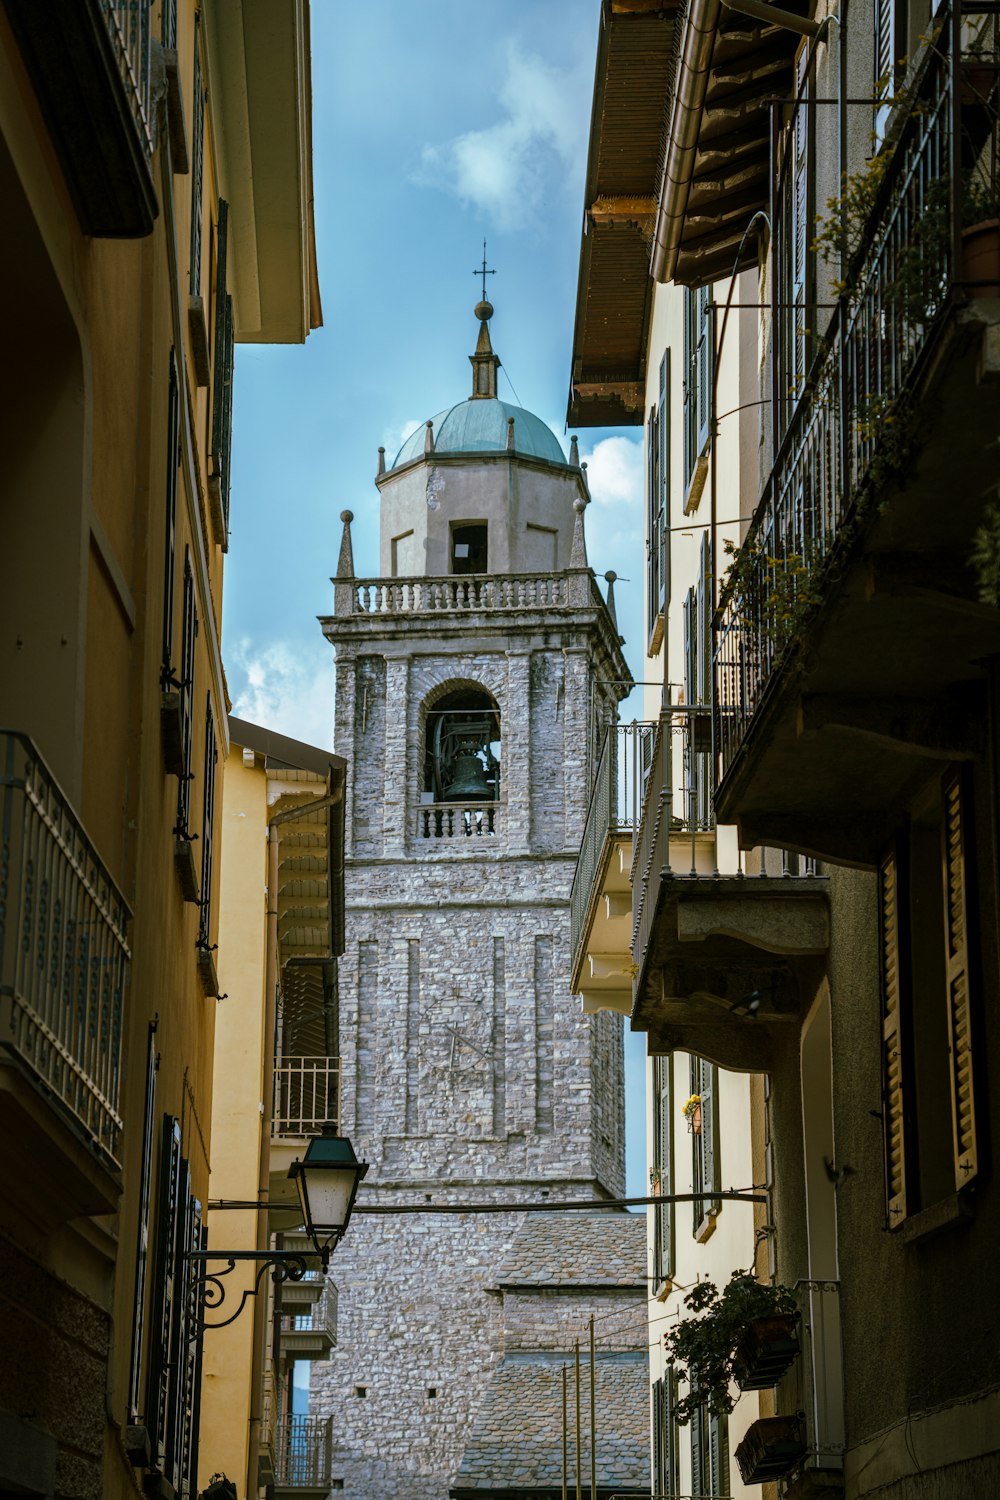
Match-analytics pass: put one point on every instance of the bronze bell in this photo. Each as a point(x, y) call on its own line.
point(468, 783)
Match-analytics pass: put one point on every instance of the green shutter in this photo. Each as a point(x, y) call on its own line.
point(219, 339)
point(710, 1146)
point(170, 519)
point(142, 1231)
point(197, 164)
point(718, 1455)
point(207, 827)
point(656, 1427)
point(162, 1353)
point(698, 1474)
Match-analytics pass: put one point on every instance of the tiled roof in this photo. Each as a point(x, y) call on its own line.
point(578, 1249)
point(516, 1444)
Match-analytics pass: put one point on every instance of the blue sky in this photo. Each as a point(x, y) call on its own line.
point(434, 126)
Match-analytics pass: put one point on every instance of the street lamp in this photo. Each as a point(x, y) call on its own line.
point(327, 1180)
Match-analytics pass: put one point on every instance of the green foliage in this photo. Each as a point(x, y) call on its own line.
point(703, 1347)
point(986, 555)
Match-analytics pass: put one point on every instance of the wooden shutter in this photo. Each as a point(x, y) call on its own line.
point(207, 827)
point(142, 1232)
point(710, 1146)
point(956, 925)
point(698, 1466)
point(162, 1353)
point(663, 1162)
point(221, 376)
point(671, 1435)
point(663, 487)
point(656, 1428)
point(170, 518)
point(189, 632)
point(718, 1455)
point(894, 1102)
point(704, 365)
point(690, 383)
point(885, 47)
point(197, 163)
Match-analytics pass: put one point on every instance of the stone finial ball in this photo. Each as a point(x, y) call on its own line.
point(347, 516)
point(484, 310)
point(611, 575)
point(579, 506)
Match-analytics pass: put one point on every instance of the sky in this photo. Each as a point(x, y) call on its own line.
point(434, 127)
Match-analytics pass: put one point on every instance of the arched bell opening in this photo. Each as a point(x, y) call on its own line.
point(462, 754)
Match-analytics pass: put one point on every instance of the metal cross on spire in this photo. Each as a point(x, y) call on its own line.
point(483, 272)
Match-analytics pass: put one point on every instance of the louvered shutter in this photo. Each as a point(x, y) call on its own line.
point(663, 495)
point(800, 226)
point(663, 1161)
point(703, 365)
point(197, 163)
point(219, 342)
point(698, 1475)
point(656, 1425)
point(885, 47)
point(207, 826)
point(710, 1152)
point(718, 1455)
point(142, 1232)
point(894, 1103)
point(671, 1434)
point(189, 1356)
point(189, 632)
point(170, 517)
point(690, 383)
point(652, 485)
point(162, 1351)
point(960, 1039)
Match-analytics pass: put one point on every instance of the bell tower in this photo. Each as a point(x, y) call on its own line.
point(474, 677)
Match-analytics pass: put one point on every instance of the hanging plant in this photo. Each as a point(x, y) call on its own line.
point(692, 1113)
point(705, 1347)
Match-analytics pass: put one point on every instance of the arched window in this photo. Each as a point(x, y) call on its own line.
point(462, 759)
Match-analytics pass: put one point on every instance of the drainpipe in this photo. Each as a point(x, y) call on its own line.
point(700, 22)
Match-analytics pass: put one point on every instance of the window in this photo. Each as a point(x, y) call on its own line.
point(666, 1436)
point(175, 1337)
point(709, 1453)
point(795, 282)
point(223, 349)
point(197, 162)
point(468, 548)
point(929, 1004)
point(189, 634)
point(697, 376)
point(664, 1229)
point(658, 509)
point(170, 518)
point(698, 604)
point(168, 23)
point(142, 1232)
point(207, 828)
point(705, 1164)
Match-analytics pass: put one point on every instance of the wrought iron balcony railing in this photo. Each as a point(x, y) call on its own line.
point(320, 1318)
point(127, 22)
point(63, 948)
point(848, 430)
point(304, 1453)
point(614, 812)
point(306, 1095)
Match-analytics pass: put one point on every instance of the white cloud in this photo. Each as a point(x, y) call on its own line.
point(393, 438)
point(505, 168)
point(285, 687)
point(614, 474)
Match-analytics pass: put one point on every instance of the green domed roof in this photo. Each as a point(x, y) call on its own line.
point(480, 426)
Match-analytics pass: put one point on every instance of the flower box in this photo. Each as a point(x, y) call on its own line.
point(772, 1446)
point(766, 1350)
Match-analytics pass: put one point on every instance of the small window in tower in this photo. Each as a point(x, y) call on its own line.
point(361, 1390)
point(468, 548)
point(432, 1392)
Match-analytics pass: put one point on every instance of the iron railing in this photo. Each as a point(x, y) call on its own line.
point(127, 23)
point(848, 432)
point(614, 812)
point(63, 948)
point(320, 1317)
point(306, 1095)
point(304, 1453)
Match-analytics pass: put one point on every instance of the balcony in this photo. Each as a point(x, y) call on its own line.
point(303, 1458)
point(601, 899)
point(718, 937)
point(306, 1096)
point(850, 636)
point(91, 72)
point(310, 1332)
point(63, 965)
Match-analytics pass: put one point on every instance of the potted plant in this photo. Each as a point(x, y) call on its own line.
point(692, 1113)
point(708, 1348)
point(770, 1447)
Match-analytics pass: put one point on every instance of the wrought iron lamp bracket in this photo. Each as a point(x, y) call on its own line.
point(210, 1287)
